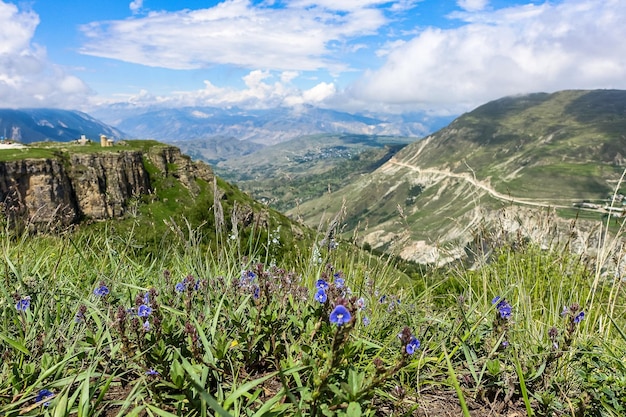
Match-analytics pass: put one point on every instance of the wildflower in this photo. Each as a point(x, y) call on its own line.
point(579, 317)
point(80, 314)
point(505, 344)
point(42, 395)
point(366, 321)
point(101, 291)
point(23, 304)
point(339, 282)
point(180, 287)
point(340, 315)
point(146, 298)
point(152, 372)
point(144, 311)
point(360, 303)
point(321, 296)
point(413, 345)
point(504, 308)
point(257, 292)
point(321, 285)
point(146, 326)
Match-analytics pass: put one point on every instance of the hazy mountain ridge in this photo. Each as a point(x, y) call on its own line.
point(56, 125)
point(265, 126)
point(513, 161)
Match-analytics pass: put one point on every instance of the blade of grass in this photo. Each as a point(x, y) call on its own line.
point(455, 383)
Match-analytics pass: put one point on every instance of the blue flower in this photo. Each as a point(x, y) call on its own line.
point(413, 345)
point(101, 291)
point(144, 311)
point(366, 321)
point(505, 344)
point(321, 284)
point(340, 315)
point(42, 395)
point(180, 287)
point(146, 298)
point(151, 372)
point(146, 326)
point(339, 282)
point(257, 292)
point(504, 308)
point(360, 303)
point(321, 296)
point(579, 317)
point(23, 304)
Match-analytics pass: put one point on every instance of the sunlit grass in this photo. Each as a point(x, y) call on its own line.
point(194, 331)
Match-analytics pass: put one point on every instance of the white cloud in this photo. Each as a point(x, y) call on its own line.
point(472, 5)
point(263, 89)
point(236, 32)
point(570, 45)
point(135, 6)
point(27, 79)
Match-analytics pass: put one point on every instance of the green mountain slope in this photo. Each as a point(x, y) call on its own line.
point(510, 161)
point(304, 168)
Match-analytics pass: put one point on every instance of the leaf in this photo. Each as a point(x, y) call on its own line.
point(15, 344)
point(353, 410)
point(160, 412)
point(243, 389)
point(212, 402)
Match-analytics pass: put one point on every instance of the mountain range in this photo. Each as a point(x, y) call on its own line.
point(262, 126)
point(519, 165)
point(56, 125)
point(528, 164)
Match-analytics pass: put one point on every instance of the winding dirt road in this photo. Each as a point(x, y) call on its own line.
point(479, 184)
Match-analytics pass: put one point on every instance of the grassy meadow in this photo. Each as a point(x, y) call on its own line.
point(91, 327)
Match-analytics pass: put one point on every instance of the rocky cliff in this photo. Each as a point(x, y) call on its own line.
point(44, 193)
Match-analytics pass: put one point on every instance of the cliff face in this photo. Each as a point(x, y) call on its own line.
point(46, 192)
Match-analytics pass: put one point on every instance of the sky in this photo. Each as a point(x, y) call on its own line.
point(395, 56)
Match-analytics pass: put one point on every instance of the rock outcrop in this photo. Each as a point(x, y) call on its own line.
point(44, 193)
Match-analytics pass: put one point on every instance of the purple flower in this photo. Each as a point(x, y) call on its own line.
point(42, 395)
point(321, 296)
point(339, 282)
point(144, 311)
point(504, 308)
point(257, 292)
point(23, 304)
point(360, 303)
point(413, 345)
point(505, 344)
point(180, 287)
point(146, 326)
point(366, 321)
point(321, 284)
point(146, 298)
point(340, 315)
point(101, 291)
point(579, 317)
point(151, 372)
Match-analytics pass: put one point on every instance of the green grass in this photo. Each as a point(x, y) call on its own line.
point(243, 335)
point(56, 150)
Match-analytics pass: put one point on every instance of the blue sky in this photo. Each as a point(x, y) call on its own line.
point(437, 56)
